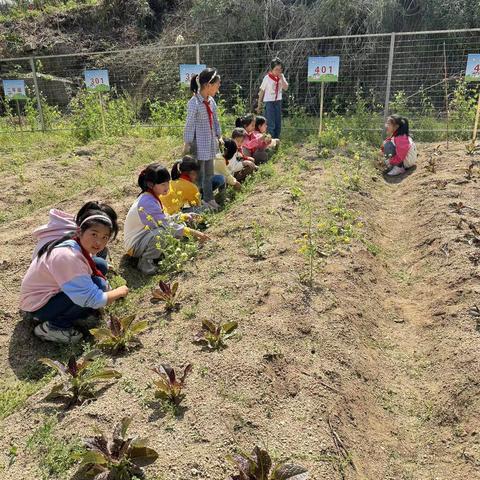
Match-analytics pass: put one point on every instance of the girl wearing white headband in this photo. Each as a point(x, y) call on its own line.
point(202, 130)
point(65, 285)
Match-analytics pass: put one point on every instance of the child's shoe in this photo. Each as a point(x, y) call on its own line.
point(396, 170)
point(49, 334)
point(147, 266)
point(214, 205)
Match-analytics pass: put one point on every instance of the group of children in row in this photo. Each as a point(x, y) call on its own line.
point(65, 286)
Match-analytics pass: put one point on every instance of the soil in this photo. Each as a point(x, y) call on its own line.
point(371, 374)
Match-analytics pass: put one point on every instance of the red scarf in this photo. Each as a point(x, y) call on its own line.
point(186, 177)
point(210, 112)
point(96, 272)
point(277, 83)
point(150, 191)
point(240, 151)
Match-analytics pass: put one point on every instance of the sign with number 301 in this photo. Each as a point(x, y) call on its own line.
point(97, 80)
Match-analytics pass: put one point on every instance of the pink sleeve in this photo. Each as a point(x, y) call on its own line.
point(402, 144)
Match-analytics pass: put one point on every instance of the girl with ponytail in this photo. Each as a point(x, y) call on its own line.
point(202, 132)
point(65, 284)
point(147, 223)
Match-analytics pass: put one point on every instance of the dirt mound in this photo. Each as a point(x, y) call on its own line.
point(371, 373)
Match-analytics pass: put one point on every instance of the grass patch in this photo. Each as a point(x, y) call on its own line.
point(56, 455)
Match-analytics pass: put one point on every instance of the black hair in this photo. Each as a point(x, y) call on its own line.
point(259, 121)
point(229, 148)
point(154, 173)
point(185, 165)
point(88, 210)
point(238, 133)
point(275, 62)
point(402, 123)
point(209, 75)
point(243, 122)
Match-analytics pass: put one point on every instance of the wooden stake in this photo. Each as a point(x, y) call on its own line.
point(19, 114)
point(102, 112)
point(475, 127)
point(446, 91)
point(321, 110)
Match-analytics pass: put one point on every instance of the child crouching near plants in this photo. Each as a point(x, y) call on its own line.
point(183, 193)
point(399, 149)
point(260, 145)
point(240, 164)
point(222, 164)
point(65, 284)
point(147, 223)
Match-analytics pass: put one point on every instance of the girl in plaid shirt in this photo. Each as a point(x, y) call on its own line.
point(202, 130)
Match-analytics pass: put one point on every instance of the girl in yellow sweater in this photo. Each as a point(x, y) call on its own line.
point(183, 193)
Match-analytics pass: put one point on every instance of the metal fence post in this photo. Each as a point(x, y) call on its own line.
point(389, 75)
point(197, 53)
point(37, 93)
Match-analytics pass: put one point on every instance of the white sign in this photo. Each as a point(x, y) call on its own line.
point(472, 72)
point(323, 69)
point(187, 71)
point(97, 80)
point(14, 89)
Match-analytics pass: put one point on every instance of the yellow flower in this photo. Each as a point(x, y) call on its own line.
point(179, 192)
point(141, 209)
point(149, 218)
point(174, 200)
point(146, 227)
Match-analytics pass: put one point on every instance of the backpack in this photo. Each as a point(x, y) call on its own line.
point(411, 159)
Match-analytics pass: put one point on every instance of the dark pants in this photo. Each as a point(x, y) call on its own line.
point(61, 313)
point(273, 114)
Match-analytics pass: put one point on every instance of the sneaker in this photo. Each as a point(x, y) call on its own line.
point(30, 317)
point(49, 334)
point(396, 171)
point(146, 266)
point(214, 204)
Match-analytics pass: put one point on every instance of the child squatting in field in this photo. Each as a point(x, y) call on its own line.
point(65, 285)
point(147, 224)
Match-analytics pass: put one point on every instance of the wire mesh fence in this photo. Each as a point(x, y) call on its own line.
point(417, 73)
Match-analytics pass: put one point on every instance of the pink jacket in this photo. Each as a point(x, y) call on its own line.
point(402, 145)
point(59, 224)
point(254, 142)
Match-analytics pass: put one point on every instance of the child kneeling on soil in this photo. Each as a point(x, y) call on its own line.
point(222, 161)
point(399, 149)
point(65, 284)
point(147, 224)
point(240, 164)
point(260, 145)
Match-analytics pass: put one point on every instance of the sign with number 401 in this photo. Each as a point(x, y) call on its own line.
point(472, 73)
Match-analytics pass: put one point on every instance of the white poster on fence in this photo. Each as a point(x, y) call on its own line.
point(97, 80)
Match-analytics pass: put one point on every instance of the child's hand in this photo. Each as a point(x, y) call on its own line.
point(251, 159)
point(200, 236)
point(186, 148)
point(237, 186)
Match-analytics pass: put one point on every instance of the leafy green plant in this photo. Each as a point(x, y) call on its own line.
point(78, 378)
point(169, 386)
point(168, 293)
point(309, 248)
point(214, 334)
point(175, 253)
point(119, 334)
point(257, 250)
point(117, 458)
point(259, 466)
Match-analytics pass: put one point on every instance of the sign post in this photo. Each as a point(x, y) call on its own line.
point(187, 71)
point(472, 74)
point(98, 81)
point(323, 70)
point(15, 90)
